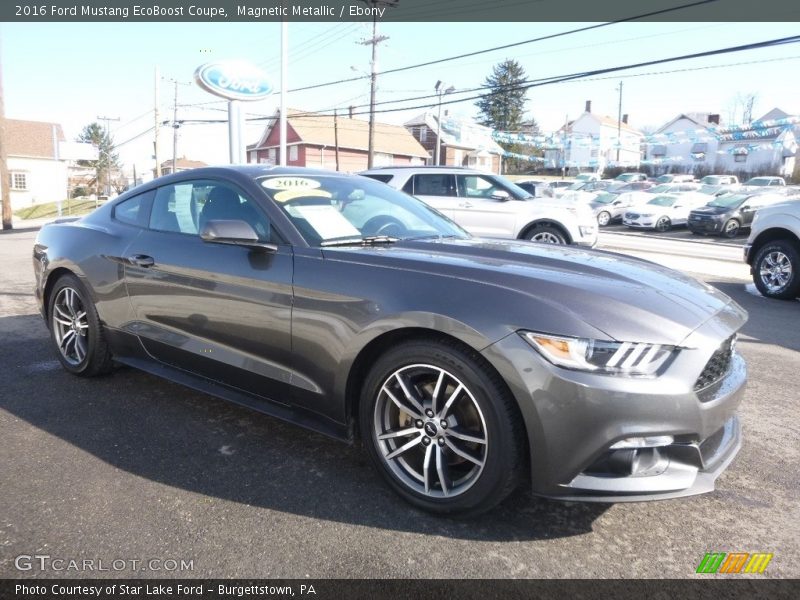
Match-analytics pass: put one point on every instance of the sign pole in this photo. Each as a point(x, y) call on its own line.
point(235, 131)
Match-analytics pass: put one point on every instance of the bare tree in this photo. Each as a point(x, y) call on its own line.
point(740, 108)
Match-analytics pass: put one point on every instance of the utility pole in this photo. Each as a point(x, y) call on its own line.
point(282, 117)
point(157, 124)
point(373, 77)
point(108, 155)
point(336, 136)
point(5, 184)
point(175, 130)
point(619, 122)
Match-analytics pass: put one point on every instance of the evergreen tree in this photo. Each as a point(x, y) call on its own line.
point(503, 107)
point(107, 164)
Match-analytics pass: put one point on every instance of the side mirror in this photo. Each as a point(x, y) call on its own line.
point(617, 202)
point(747, 208)
point(234, 233)
point(501, 195)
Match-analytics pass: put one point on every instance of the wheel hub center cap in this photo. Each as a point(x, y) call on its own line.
point(431, 429)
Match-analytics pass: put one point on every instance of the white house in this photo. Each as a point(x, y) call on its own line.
point(685, 144)
point(463, 142)
point(590, 142)
point(762, 148)
point(36, 170)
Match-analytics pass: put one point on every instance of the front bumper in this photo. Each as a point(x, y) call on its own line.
point(586, 236)
point(704, 225)
point(640, 223)
point(574, 418)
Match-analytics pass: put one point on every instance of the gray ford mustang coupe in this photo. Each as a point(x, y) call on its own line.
point(464, 365)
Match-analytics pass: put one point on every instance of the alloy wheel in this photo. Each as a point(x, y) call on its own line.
point(430, 431)
point(775, 271)
point(731, 228)
point(70, 326)
point(603, 219)
point(663, 224)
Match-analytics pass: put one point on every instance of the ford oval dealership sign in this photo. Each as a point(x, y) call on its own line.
point(233, 80)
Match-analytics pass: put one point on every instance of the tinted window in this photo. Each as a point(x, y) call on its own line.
point(434, 184)
point(186, 207)
point(131, 210)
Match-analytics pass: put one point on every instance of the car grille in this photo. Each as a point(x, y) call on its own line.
point(717, 366)
point(632, 216)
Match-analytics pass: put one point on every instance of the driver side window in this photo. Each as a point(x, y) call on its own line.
point(476, 186)
point(186, 207)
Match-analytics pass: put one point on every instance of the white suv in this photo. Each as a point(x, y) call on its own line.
point(488, 205)
point(773, 250)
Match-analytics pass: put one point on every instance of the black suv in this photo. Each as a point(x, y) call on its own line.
point(726, 215)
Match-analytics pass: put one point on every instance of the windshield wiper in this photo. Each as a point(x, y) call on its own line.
point(370, 240)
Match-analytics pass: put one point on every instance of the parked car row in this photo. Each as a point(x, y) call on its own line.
point(488, 205)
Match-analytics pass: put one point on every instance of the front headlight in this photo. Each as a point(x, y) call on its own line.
point(645, 214)
point(611, 358)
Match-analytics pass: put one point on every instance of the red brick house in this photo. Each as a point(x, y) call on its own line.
point(311, 142)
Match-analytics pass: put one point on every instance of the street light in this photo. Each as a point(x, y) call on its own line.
point(440, 91)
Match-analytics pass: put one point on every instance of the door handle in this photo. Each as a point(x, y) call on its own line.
point(466, 205)
point(141, 260)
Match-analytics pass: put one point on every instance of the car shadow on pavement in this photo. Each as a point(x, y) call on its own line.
point(185, 440)
point(775, 320)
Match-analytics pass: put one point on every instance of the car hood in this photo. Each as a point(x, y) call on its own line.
point(712, 210)
point(625, 298)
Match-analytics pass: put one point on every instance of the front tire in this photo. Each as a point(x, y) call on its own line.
point(731, 228)
point(75, 329)
point(441, 428)
point(663, 224)
point(546, 234)
point(603, 218)
point(776, 270)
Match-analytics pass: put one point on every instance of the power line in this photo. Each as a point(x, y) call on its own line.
point(512, 45)
point(560, 79)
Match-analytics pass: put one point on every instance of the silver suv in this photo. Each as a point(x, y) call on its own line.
point(773, 250)
point(488, 205)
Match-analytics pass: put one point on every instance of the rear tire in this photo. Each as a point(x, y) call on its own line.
point(441, 428)
point(546, 234)
point(776, 270)
point(603, 218)
point(75, 329)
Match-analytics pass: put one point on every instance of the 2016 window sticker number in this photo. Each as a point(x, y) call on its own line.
point(290, 183)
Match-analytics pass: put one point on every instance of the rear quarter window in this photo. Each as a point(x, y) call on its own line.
point(133, 210)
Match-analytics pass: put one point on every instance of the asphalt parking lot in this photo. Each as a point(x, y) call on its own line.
point(131, 467)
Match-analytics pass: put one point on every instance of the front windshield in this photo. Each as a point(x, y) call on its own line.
point(665, 178)
point(325, 208)
point(757, 181)
point(663, 201)
point(511, 187)
point(728, 201)
point(660, 189)
point(711, 180)
point(605, 198)
point(577, 186)
point(710, 189)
